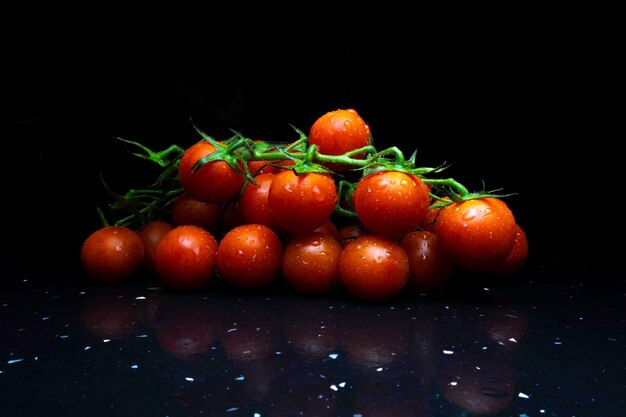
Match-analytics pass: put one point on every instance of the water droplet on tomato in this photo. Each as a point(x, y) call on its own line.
point(318, 194)
point(469, 215)
point(404, 182)
point(316, 243)
point(240, 252)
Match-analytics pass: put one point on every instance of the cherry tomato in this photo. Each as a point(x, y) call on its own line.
point(253, 202)
point(338, 132)
point(477, 233)
point(112, 254)
point(186, 210)
point(430, 269)
point(373, 268)
point(151, 234)
point(185, 258)
point(249, 256)
point(214, 182)
point(311, 262)
point(302, 203)
point(391, 203)
point(517, 258)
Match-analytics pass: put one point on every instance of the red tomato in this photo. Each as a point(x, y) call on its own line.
point(338, 132)
point(430, 269)
point(477, 233)
point(185, 258)
point(311, 262)
point(214, 182)
point(302, 203)
point(249, 256)
point(373, 268)
point(186, 210)
point(517, 258)
point(112, 254)
point(253, 202)
point(151, 234)
point(391, 203)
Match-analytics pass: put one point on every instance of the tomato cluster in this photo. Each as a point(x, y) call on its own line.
point(326, 211)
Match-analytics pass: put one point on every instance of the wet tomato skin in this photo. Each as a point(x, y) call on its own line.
point(253, 201)
point(302, 203)
point(151, 234)
point(337, 132)
point(185, 258)
point(249, 256)
point(310, 262)
point(391, 203)
point(112, 254)
point(430, 269)
point(373, 268)
point(186, 210)
point(477, 233)
point(215, 182)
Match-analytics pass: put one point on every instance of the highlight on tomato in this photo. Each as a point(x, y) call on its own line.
point(185, 258)
point(112, 254)
point(302, 202)
point(373, 268)
point(391, 203)
point(214, 182)
point(249, 257)
point(337, 132)
point(477, 234)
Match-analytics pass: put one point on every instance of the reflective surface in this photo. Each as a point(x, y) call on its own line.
point(543, 344)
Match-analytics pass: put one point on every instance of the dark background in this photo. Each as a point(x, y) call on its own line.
point(536, 111)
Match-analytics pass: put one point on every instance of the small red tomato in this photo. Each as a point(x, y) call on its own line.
point(151, 234)
point(249, 256)
point(253, 202)
point(373, 268)
point(186, 210)
point(185, 258)
point(337, 132)
point(214, 182)
point(302, 203)
point(112, 254)
point(391, 203)
point(430, 269)
point(311, 262)
point(478, 233)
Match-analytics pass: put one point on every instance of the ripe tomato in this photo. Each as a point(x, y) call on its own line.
point(249, 256)
point(302, 203)
point(517, 258)
point(214, 182)
point(186, 210)
point(391, 203)
point(373, 268)
point(185, 258)
point(477, 233)
point(112, 254)
point(311, 262)
point(430, 269)
point(253, 202)
point(329, 227)
point(338, 132)
point(151, 234)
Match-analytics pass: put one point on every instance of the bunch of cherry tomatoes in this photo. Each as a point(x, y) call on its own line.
point(327, 211)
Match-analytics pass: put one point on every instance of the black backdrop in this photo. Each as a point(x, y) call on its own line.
point(535, 111)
